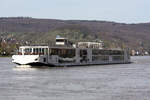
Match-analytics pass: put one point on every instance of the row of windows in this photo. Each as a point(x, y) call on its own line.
point(34, 51)
point(100, 58)
point(106, 58)
point(41, 51)
point(118, 58)
point(107, 52)
point(65, 53)
point(70, 53)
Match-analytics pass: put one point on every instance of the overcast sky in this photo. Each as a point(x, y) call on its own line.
point(128, 11)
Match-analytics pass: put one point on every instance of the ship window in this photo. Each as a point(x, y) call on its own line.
point(44, 59)
point(117, 52)
point(100, 52)
point(54, 52)
point(39, 51)
point(27, 51)
point(20, 51)
point(46, 51)
point(60, 40)
point(42, 51)
point(83, 53)
point(65, 53)
point(107, 52)
point(118, 58)
point(95, 52)
point(100, 58)
point(36, 50)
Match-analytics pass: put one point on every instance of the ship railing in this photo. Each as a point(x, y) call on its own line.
point(28, 53)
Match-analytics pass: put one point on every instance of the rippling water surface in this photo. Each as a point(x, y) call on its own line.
point(103, 82)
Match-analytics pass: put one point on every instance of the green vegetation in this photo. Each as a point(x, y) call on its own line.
point(28, 31)
point(7, 49)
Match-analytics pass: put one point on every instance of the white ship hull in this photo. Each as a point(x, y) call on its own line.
point(27, 59)
point(85, 53)
point(44, 60)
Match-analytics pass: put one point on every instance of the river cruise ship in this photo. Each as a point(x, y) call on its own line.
point(64, 53)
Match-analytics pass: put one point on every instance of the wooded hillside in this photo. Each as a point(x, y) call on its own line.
point(35, 31)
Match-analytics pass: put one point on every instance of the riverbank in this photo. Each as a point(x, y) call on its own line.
point(5, 56)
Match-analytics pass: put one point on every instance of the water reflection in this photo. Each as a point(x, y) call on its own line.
point(23, 68)
point(31, 68)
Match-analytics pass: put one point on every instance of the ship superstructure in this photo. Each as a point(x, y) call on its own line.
point(64, 53)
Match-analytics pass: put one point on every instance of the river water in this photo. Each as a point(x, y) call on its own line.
point(102, 82)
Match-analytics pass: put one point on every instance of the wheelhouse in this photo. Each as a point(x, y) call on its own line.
point(33, 50)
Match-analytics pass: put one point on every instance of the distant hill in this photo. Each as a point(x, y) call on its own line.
point(45, 30)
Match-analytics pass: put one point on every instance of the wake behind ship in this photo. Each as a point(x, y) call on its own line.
point(64, 53)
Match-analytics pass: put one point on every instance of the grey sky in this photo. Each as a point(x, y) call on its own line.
point(128, 11)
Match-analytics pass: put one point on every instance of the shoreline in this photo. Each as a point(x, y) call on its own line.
point(5, 56)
